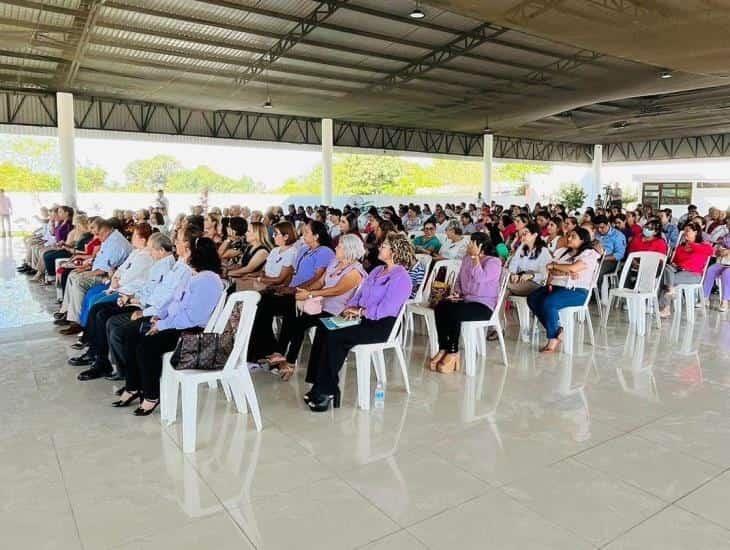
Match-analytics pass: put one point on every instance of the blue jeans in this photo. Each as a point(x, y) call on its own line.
point(546, 305)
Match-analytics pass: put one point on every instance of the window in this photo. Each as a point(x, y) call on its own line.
point(659, 194)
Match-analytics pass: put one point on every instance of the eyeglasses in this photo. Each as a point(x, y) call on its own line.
point(429, 228)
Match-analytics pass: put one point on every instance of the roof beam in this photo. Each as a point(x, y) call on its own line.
point(439, 56)
point(302, 28)
point(366, 34)
point(422, 23)
point(79, 38)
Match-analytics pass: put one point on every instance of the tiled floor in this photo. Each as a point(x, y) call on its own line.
point(625, 446)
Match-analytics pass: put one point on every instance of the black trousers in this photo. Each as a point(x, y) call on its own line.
point(331, 347)
point(143, 374)
point(121, 334)
point(50, 257)
point(95, 333)
point(297, 332)
point(450, 315)
point(263, 341)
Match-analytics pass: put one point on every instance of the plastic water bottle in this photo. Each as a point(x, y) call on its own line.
point(379, 396)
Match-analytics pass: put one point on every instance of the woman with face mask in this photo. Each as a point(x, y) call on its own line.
point(651, 239)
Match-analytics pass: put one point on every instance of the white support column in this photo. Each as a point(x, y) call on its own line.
point(327, 153)
point(487, 168)
point(597, 174)
point(65, 115)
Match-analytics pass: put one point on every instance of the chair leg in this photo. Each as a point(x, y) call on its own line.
point(589, 324)
point(568, 322)
point(236, 388)
point(640, 316)
point(470, 349)
point(226, 390)
point(430, 319)
point(655, 307)
point(403, 367)
point(611, 297)
point(379, 364)
point(169, 391)
point(502, 345)
point(362, 364)
point(189, 416)
point(244, 379)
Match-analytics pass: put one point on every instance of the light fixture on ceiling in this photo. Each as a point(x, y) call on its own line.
point(417, 13)
point(268, 104)
point(620, 124)
point(666, 74)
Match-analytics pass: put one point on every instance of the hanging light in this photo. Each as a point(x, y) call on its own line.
point(268, 104)
point(666, 74)
point(417, 13)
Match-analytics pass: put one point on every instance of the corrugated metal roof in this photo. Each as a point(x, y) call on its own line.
point(367, 59)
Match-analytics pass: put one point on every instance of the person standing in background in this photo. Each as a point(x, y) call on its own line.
point(6, 209)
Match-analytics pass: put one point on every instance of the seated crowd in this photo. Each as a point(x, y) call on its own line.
point(128, 286)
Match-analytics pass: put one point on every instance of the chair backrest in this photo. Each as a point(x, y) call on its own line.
point(425, 260)
point(414, 234)
point(213, 322)
point(704, 271)
point(249, 301)
point(650, 269)
point(393, 337)
point(452, 267)
point(503, 281)
point(594, 282)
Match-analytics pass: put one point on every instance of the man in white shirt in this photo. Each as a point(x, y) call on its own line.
point(6, 209)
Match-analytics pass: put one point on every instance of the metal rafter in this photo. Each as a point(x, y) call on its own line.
point(302, 28)
point(422, 23)
point(439, 56)
point(200, 39)
point(95, 113)
point(79, 38)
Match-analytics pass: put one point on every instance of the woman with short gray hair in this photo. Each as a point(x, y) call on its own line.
point(454, 246)
point(326, 298)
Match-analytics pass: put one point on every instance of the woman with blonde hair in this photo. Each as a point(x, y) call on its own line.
point(212, 227)
point(254, 255)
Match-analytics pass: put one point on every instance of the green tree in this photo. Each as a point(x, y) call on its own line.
point(91, 179)
point(38, 154)
point(20, 178)
point(571, 195)
point(191, 181)
point(152, 173)
point(518, 172)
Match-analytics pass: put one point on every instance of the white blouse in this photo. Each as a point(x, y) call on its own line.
point(576, 280)
point(522, 262)
point(278, 260)
point(453, 250)
point(132, 274)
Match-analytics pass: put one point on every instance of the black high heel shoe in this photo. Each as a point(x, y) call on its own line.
point(127, 402)
point(139, 411)
point(321, 403)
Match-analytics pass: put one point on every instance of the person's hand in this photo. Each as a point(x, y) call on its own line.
point(301, 294)
point(153, 328)
point(526, 277)
point(136, 315)
point(514, 277)
point(454, 297)
point(122, 300)
point(351, 313)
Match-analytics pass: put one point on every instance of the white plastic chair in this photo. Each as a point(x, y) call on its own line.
point(691, 292)
point(474, 333)
point(422, 308)
point(365, 352)
point(644, 293)
point(238, 380)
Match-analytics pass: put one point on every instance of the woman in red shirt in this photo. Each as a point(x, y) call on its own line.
point(651, 239)
point(687, 266)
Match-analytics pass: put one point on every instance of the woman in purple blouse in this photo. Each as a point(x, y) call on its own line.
point(720, 271)
point(377, 305)
point(474, 298)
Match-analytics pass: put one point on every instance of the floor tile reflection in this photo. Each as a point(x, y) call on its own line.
point(625, 445)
